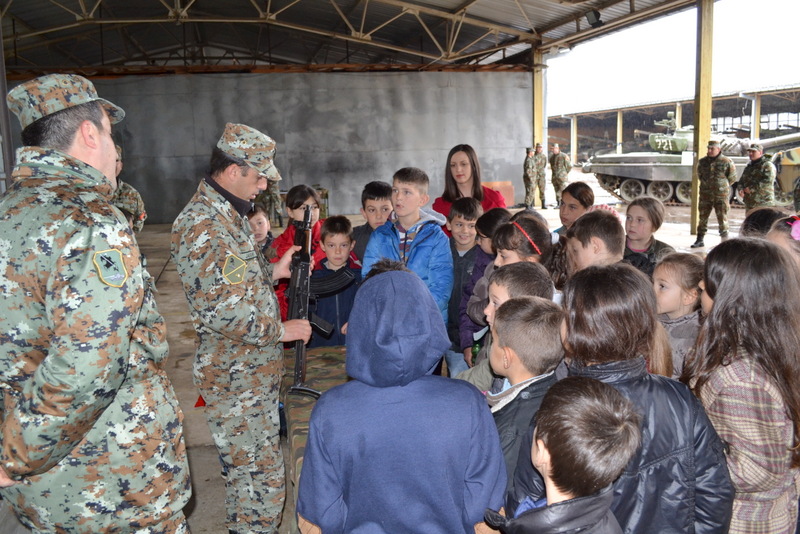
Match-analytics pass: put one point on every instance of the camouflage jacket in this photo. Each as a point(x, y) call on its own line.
point(560, 164)
point(538, 165)
point(759, 177)
point(228, 286)
point(716, 175)
point(86, 406)
point(529, 167)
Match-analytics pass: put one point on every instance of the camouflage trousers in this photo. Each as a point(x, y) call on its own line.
point(719, 205)
point(559, 184)
point(243, 417)
point(531, 184)
point(797, 195)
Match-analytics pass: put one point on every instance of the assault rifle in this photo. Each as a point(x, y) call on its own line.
point(302, 292)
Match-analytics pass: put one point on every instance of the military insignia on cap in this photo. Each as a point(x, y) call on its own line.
point(110, 267)
point(234, 269)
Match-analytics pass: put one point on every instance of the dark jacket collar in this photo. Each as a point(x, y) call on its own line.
point(241, 206)
point(612, 372)
point(584, 514)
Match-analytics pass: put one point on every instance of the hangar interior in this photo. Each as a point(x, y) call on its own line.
point(350, 89)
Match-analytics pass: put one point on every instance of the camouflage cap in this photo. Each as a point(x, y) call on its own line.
point(555, 145)
point(45, 95)
point(538, 145)
point(529, 149)
point(756, 146)
point(713, 144)
point(128, 199)
point(252, 146)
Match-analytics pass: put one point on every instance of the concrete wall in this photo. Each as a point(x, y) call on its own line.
point(338, 130)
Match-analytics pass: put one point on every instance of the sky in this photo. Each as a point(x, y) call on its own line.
point(755, 46)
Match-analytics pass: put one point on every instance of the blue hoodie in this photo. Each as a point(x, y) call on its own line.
point(397, 449)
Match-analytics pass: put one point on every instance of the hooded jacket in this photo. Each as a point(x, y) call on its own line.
point(397, 449)
point(678, 481)
point(428, 256)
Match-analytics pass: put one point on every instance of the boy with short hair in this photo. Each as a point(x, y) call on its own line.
point(595, 238)
point(336, 240)
point(526, 349)
point(376, 207)
point(414, 237)
point(586, 433)
point(523, 279)
point(461, 220)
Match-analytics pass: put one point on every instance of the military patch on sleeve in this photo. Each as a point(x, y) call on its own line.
point(234, 269)
point(110, 267)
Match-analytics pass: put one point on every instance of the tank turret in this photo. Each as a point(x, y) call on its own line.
point(666, 172)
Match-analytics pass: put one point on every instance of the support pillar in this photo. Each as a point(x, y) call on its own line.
point(678, 115)
point(619, 132)
point(539, 116)
point(755, 121)
point(573, 138)
point(702, 96)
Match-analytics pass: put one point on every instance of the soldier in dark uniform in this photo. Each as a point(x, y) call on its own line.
point(716, 173)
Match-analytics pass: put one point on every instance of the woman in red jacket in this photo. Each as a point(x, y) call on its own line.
point(462, 178)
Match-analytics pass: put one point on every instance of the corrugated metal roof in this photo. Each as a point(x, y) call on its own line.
point(70, 34)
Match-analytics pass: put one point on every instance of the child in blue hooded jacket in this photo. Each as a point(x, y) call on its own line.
point(398, 449)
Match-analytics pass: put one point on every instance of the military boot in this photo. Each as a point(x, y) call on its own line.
point(723, 236)
point(699, 243)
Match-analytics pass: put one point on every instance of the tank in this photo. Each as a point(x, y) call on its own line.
point(666, 172)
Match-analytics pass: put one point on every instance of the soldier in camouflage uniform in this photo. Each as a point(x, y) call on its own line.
point(239, 361)
point(270, 198)
point(533, 176)
point(757, 184)
point(560, 165)
point(716, 173)
point(90, 430)
point(128, 200)
point(797, 195)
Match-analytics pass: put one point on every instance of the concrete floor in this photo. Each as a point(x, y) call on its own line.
point(206, 512)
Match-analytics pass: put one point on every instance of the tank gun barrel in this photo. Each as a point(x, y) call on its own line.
point(793, 137)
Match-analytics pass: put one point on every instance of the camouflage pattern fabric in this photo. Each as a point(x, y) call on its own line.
point(270, 199)
point(128, 199)
point(239, 363)
point(759, 178)
point(325, 368)
point(533, 177)
point(45, 95)
point(716, 175)
point(256, 149)
point(90, 422)
point(560, 165)
point(797, 195)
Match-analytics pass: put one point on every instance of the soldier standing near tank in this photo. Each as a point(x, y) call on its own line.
point(560, 165)
point(757, 184)
point(534, 173)
point(716, 173)
point(239, 360)
point(91, 433)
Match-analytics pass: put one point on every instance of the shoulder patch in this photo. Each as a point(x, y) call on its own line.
point(234, 269)
point(110, 267)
